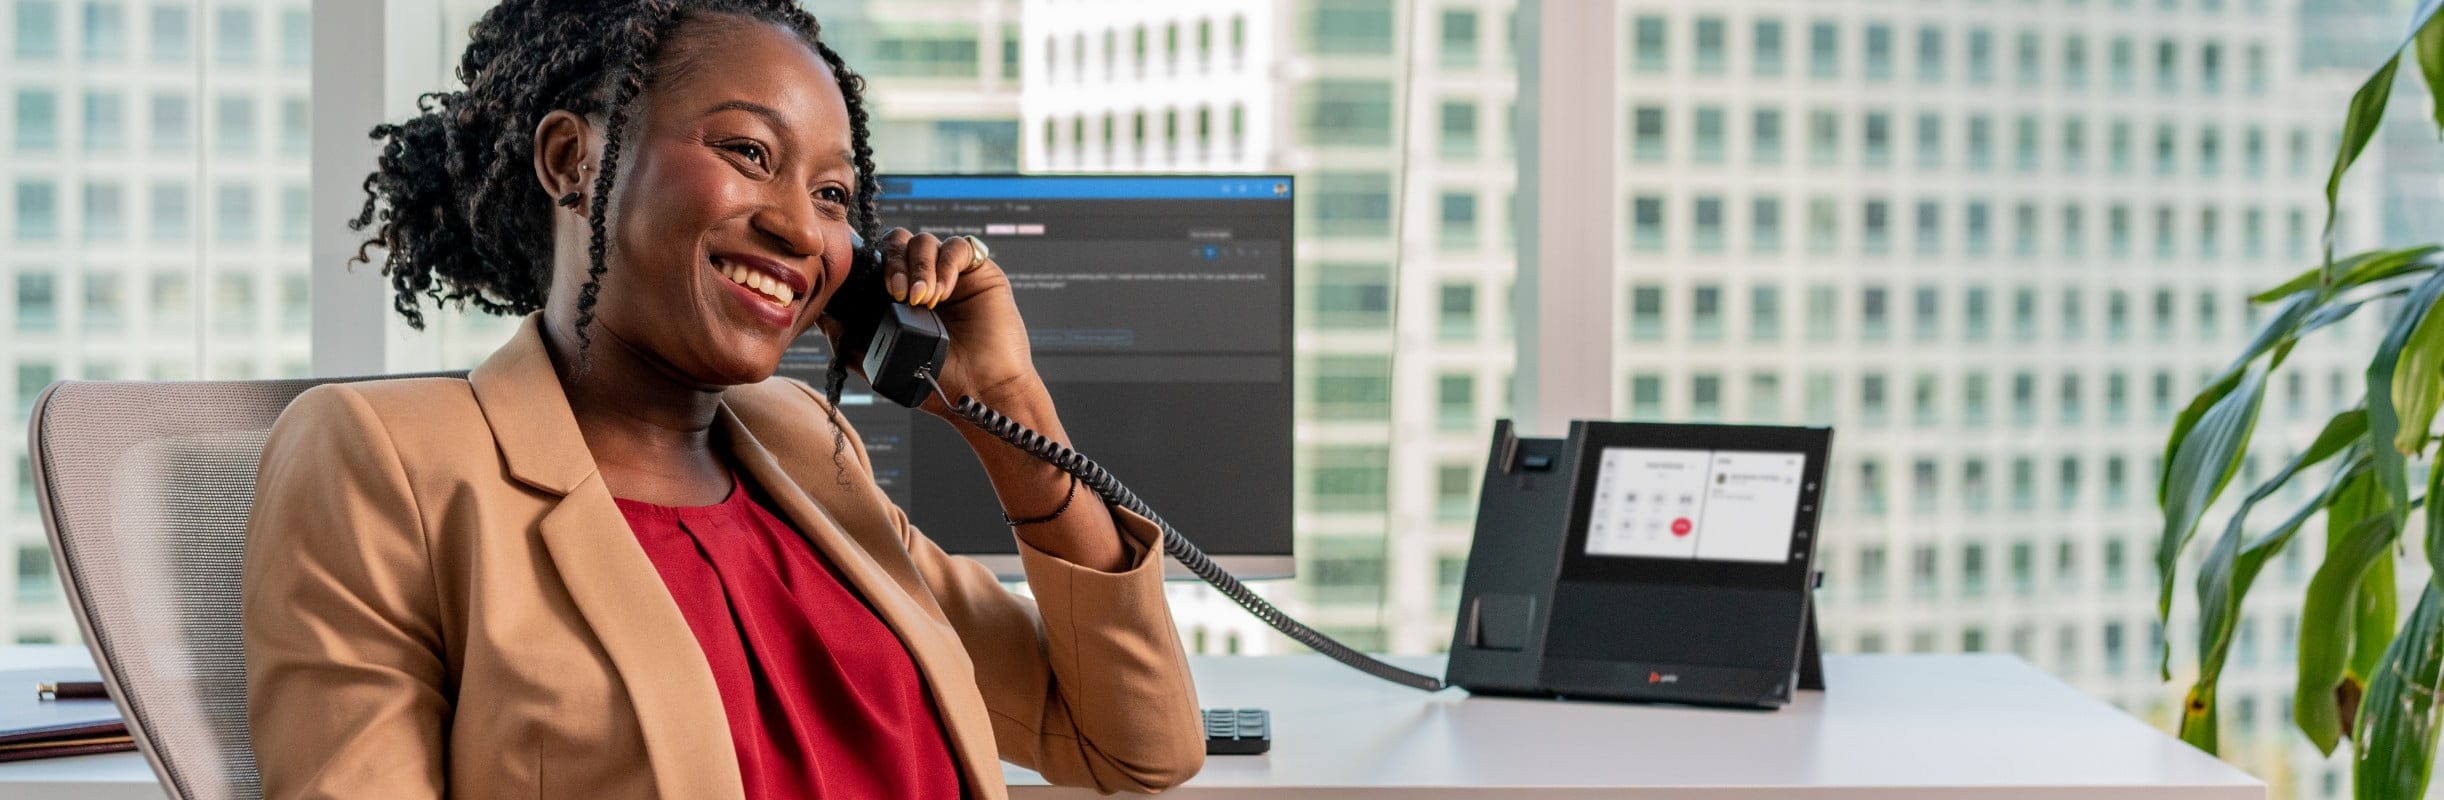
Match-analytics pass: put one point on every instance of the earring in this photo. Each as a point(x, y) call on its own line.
point(569, 200)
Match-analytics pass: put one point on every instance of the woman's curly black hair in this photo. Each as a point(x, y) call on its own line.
point(453, 200)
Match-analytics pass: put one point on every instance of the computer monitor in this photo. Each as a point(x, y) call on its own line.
point(1158, 310)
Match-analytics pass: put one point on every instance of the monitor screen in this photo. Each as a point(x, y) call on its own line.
point(1158, 312)
point(1712, 505)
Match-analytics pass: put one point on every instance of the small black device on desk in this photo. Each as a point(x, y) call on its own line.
point(1636, 561)
point(1238, 731)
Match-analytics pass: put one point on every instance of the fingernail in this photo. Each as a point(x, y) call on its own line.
point(898, 283)
point(916, 294)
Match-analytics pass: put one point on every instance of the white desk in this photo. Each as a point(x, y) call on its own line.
point(1904, 727)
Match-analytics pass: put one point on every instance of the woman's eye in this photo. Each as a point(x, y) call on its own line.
point(747, 150)
point(833, 194)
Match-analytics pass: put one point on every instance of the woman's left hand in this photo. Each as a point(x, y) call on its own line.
point(958, 280)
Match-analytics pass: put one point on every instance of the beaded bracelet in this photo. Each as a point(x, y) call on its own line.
point(1056, 513)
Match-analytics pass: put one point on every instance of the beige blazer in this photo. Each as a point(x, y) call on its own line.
point(441, 598)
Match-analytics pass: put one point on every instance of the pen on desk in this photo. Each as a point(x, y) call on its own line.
point(71, 690)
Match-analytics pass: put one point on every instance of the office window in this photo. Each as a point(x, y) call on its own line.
point(1706, 397)
point(1764, 313)
point(1925, 400)
point(2075, 62)
point(38, 31)
point(1972, 584)
point(2167, 67)
point(296, 38)
point(1710, 46)
point(2074, 144)
point(1646, 396)
point(2253, 234)
point(1709, 138)
point(37, 120)
point(1650, 47)
point(170, 212)
point(2117, 576)
point(105, 212)
point(2023, 399)
point(1974, 314)
point(234, 42)
point(2024, 313)
point(2117, 400)
point(234, 124)
point(2024, 143)
point(1765, 224)
point(1874, 314)
point(2117, 482)
point(1458, 227)
point(1929, 227)
point(2074, 315)
point(1766, 49)
point(1926, 313)
point(2071, 411)
point(1824, 49)
point(1925, 579)
point(1870, 487)
point(2208, 326)
point(173, 124)
point(2023, 484)
point(1354, 113)
point(173, 34)
point(1876, 133)
point(1930, 54)
point(37, 211)
point(2117, 230)
point(1647, 134)
point(1457, 305)
point(105, 122)
point(1820, 409)
point(1347, 296)
point(1824, 138)
point(1980, 144)
point(2118, 147)
point(1930, 141)
point(2253, 152)
point(1344, 387)
point(1981, 56)
point(1706, 313)
point(37, 302)
point(1351, 204)
point(295, 214)
point(1459, 126)
point(1646, 222)
point(105, 303)
point(2295, 235)
point(296, 131)
point(1456, 401)
point(2210, 152)
point(2164, 247)
point(1824, 314)
point(1348, 478)
point(1875, 228)
point(2210, 233)
point(2024, 229)
point(1879, 52)
point(2023, 570)
point(2210, 68)
point(1871, 399)
point(2255, 58)
point(2030, 62)
point(1973, 405)
point(1350, 27)
point(1646, 322)
point(1824, 225)
point(2124, 61)
point(2074, 231)
point(1979, 236)
point(234, 213)
point(1764, 398)
point(1706, 230)
point(1766, 135)
point(1455, 493)
point(1460, 46)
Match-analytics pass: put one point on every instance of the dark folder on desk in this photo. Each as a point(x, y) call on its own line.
point(35, 728)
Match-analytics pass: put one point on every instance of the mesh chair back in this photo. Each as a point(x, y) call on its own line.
point(144, 488)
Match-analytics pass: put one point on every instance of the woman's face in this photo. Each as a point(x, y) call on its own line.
point(730, 219)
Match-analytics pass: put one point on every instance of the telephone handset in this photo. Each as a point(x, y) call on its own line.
point(901, 347)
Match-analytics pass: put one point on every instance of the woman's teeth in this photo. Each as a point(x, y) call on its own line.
point(760, 282)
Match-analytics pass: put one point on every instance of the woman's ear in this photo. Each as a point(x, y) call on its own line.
point(564, 158)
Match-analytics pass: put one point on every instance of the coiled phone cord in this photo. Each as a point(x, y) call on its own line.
point(1177, 546)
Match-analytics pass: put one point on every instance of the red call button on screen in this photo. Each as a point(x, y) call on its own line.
point(1681, 527)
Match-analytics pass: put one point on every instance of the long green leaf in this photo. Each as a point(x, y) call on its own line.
point(2279, 329)
point(2340, 431)
point(2327, 614)
point(2418, 384)
point(2367, 109)
point(2373, 617)
point(2428, 42)
point(2232, 566)
point(2396, 740)
point(2384, 421)
point(2356, 270)
point(2203, 461)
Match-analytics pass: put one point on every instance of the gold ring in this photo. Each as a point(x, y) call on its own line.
point(976, 248)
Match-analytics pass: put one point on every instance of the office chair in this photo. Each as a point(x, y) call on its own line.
point(144, 488)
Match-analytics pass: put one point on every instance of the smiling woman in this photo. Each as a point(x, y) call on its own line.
point(484, 587)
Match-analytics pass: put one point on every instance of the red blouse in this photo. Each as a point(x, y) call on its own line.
point(822, 697)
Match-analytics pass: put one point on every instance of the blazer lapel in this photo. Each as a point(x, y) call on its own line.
point(889, 590)
point(607, 574)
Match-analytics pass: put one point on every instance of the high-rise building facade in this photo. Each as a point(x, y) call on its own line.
point(1996, 243)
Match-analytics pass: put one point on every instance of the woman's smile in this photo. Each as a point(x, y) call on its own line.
point(765, 289)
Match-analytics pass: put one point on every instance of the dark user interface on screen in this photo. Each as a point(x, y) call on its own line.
point(1158, 312)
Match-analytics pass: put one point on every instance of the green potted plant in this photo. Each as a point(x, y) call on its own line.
point(2365, 673)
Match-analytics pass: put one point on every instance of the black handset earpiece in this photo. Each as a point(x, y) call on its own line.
point(900, 346)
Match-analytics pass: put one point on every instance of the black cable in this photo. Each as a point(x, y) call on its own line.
point(1177, 546)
